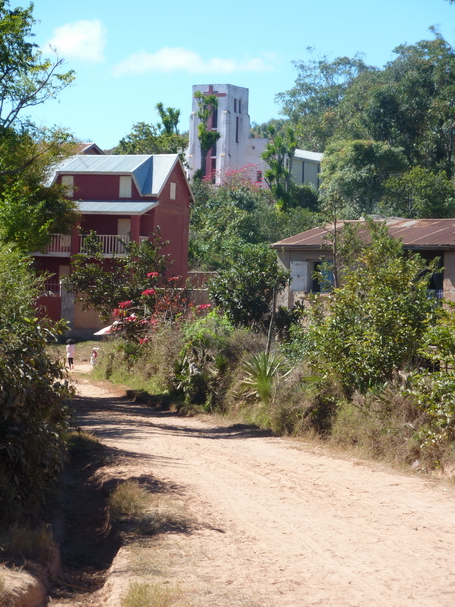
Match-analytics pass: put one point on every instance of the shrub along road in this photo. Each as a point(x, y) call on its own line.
point(277, 522)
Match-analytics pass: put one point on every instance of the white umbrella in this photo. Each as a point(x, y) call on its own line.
point(104, 331)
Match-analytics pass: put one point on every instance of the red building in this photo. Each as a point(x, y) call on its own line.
point(117, 196)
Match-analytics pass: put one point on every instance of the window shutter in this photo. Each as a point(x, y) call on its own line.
point(299, 276)
point(125, 186)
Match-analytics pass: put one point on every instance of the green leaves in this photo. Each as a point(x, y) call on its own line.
point(104, 284)
point(245, 291)
point(374, 323)
point(34, 416)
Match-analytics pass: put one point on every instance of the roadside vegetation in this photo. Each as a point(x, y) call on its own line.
point(368, 367)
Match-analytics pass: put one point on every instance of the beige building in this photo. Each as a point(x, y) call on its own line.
point(302, 253)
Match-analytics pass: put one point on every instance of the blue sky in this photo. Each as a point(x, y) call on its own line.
point(130, 56)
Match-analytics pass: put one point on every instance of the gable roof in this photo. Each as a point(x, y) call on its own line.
point(149, 172)
point(414, 233)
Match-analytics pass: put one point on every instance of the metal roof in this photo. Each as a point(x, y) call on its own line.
point(310, 156)
point(149, 172)
point(115, 208)
point(414, 233)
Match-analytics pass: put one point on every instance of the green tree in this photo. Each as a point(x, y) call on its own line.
point(245, 291)
point(374, 323)
point(34, 414)
point(279, 155)
point(169, 118)
point(226, 217)
point(319, 89)
point(104, 284)
point(208, 137)
point(26, 80)
point(162, 138)
point(29, 208)
point(356, 172)
point(420, 193)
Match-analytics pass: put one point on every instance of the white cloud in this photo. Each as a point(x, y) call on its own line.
point(83, 40)
point(172, 59)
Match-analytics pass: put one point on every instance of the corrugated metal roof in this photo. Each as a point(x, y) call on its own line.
point(418, 233)
point(306, 155)
point(115, 208)
point(148, 171)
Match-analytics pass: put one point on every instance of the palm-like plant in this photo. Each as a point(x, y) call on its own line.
point(261, 370)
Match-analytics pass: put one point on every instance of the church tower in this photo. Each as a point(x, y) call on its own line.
point(234, 149)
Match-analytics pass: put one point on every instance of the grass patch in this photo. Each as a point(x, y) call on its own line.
point(36, 544)
point(128, 499)
point(83, 442)
point(139, 512)
point(142, 594)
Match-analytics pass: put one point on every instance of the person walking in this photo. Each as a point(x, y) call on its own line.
point(70, 352)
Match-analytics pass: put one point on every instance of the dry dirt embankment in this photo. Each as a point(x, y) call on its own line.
point(280, 523)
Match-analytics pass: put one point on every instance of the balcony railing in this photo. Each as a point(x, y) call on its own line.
point(111, 243)
point(51, 288)
point(60, 243)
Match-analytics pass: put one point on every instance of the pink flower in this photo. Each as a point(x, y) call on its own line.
point(173, 278)
point(125, 304)
point(153, 275)
point(203, 307)
point(148, 292)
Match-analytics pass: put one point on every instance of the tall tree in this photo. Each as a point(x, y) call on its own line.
point(319, 88)
point(161, 138)
point(279, 155)
point(356, 171)
point(169, 118)
point(29, 209)
point(26, 80)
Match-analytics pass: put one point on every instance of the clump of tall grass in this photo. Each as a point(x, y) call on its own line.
point(32, 543)
point(141, 511)
point(142, 594)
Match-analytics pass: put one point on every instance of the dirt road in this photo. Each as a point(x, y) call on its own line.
point(283, 523)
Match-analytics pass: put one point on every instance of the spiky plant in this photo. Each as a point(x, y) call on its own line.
point(260, 372)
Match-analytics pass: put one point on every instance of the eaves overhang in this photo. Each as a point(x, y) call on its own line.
point(95, 207)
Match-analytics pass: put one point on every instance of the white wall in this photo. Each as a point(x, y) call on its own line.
point(235, 149)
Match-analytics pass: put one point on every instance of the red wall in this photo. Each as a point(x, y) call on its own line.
point(173, 218)
point(50, 306)
point(100, 187)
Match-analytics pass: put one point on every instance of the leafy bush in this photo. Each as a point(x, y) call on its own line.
point(245, 291)
point(34, 415)
point(375, 322)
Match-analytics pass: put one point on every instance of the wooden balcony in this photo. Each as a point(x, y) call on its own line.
point(113, 243)
point(60, 245)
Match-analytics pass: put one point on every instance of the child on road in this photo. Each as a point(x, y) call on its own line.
point(70, 352)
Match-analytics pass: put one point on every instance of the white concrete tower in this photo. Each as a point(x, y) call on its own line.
point(234, 149)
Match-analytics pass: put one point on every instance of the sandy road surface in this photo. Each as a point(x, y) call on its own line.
point(287, 525)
